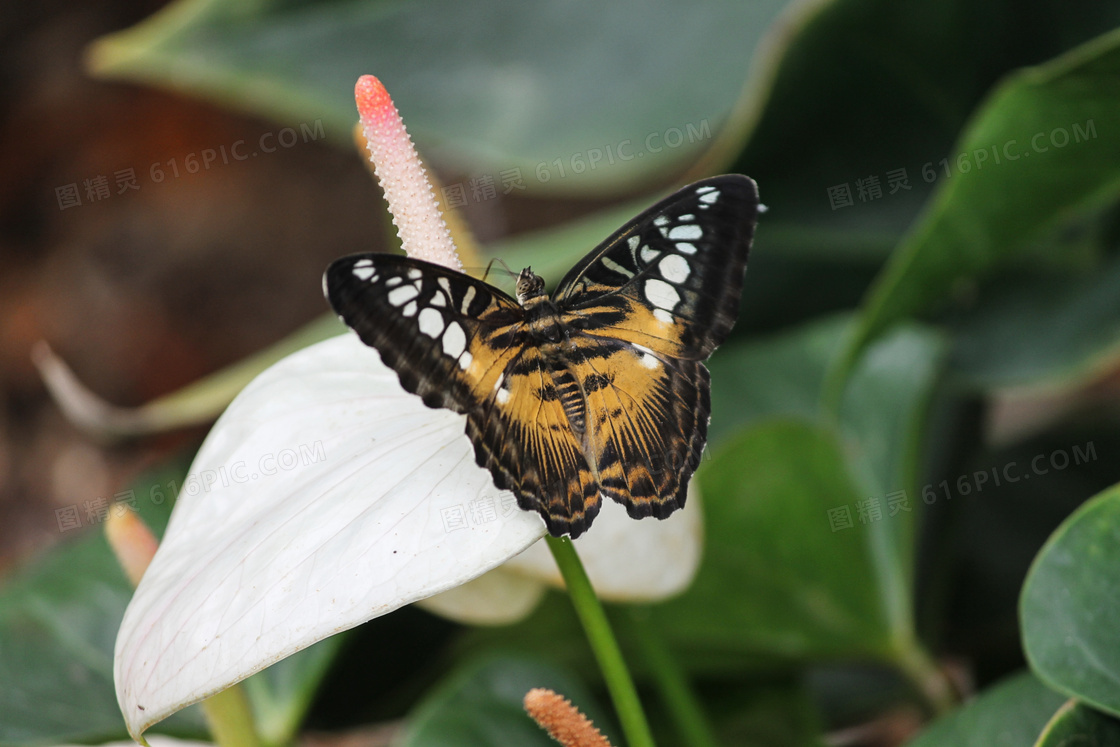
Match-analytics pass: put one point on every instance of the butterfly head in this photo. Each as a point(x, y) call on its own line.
point(529, 286)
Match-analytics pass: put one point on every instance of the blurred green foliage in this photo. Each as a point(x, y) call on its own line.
point(942, 181)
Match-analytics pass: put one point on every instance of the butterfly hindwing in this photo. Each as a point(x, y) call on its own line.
point(600, 390)
point(523, 435)
point(649, 426)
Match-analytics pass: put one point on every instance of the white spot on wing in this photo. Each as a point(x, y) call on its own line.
point(454, 341)
point(674, 268)
point(709, 197)
point(393, 282)
point(648, 359)
point(685, 248)
point(445, 284)
point(465, 360)
point(661, 294)
point(649, 254)
point(438, 299)
point(363, 272)
point(414, 274)
point(633, 241)
point(689, 231)
point(662, 315)
point(467, 298)
point(660, 220)
point(410, 309)
point(398, 296)
point(613, 266)
point(502, 396)
point(431, 322)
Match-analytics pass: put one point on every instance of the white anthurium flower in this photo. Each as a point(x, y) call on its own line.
point(627, 561)
point(326, 495)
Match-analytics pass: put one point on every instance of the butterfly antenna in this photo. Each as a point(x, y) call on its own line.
point(505, 267)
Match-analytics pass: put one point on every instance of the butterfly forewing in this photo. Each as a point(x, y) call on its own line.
point(428, 323)
point(601, 390)
point(670, 280)
point(460, 344)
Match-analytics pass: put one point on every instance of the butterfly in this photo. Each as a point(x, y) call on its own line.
point(596, 390)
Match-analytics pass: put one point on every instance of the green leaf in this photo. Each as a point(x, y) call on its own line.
point(281, 695)
point(487, 86)
point(58, 621)
point(480, 705)
point(770, 497)
point(775, 578)
point(1041, 331)
point(59, 617)
point(780, 375)
point(1077, 724)
point(1056, 160)
point(1070, 602)
point(866, 88)
point(1010, 713)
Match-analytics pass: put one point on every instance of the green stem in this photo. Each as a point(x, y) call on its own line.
point(677, 695)
point(603, 643)
point(929, 680)
point(230, 719)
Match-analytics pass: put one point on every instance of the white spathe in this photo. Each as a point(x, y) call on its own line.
point(326, 496)
point(626, 560)
point(367, 509)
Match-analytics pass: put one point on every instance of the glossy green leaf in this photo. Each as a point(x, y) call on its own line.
point(1041, 331)
point(765, 498)
point(486, 87)
point(59, 618)
point(58, 621)
point(1070, 602)
point(1036, 154)
point(779, 375)
point(776, 579)
point(1010, 713)
point(866, 89)
point(1078, 724)
point(480, 705)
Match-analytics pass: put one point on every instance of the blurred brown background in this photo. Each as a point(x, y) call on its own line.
point(141, 290)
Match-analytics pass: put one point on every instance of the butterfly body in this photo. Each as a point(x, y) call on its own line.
point(597, 390)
